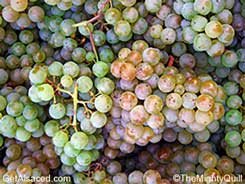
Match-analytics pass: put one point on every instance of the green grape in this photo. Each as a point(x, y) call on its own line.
point(30, 112)
point(203, 7)
point(78, 55)
point(86, 28)
point(233, 117)
point(79, 140)
point(229, 59)
point(218, 6)
point(22, 134)
point(213, 29)
point(71, 68)
point(20, 120)
point(234, 102)
point(227, 34)
point(198, 23)
point(207, 159)
point(105, 85)
point(69, 161)
point(85, 84)
point(60, 138)
point(202, 42)
point(55, 69)
point(66, 27)
point(32, 125)
point(153, 104)
point(112, 16)
point(103, 103)
point(84, 158)
point(130, 14)
point(233, 138)
point(100, 69)
point(26, 36)
point(153, 6)
point(98, 119)
point(51, 127)
point(19, 5)
point(168, 36)
point(45, 92)
point(57, 111)
point(3, 103)
point(87, 127)
point(18, 49)
point(70, 151)
point(8, 126)
point(139, 27)
point(166, 83)
point(122, 28)
point(187, 11)
point(32, 93)
point(3, 76)
point(15, 108)
point(66, 81)
point(38, 75)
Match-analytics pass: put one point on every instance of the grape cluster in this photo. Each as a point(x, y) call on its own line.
point(36, 158)
point(20, 118)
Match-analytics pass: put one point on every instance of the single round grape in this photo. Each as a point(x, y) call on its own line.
point(122, 28)
point(22, 134)
point(174, 101)
point(198, 23)
point(153, 6)
point(112, 16)
point(57, 111)
point(213, 29)
point(151, 176)
point(168, 36)
point(9, 14)
point(166, 83)
point(60, 138)
point(233, 138)
point(153, 104)
point(138, 115)
point(32, 125)
point(105, 85)
point(98, 119)
point(151, 56)
point(71, 68)
point(38, 75)
point(55, 69)
point(233, 117)
point(128, 100)
point(84, 158)
point(234, 101)
point(130, 14)
point(207, 159)
point(103, 103)
point(100, 69)
point(51, 127)
point(85, 84)
point(36, 14)
point(204, 118)
point(15, 108)
point(202, 42)
point(204, 102)
point(142, 91)
point(203, 7)
point(45, 92)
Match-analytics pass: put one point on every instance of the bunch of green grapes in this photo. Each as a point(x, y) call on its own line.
point(77, 113)
point(34, 158)
point(20, 118)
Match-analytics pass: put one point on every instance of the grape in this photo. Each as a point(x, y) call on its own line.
point(22, 134)
point(8, 126)
point(36, 14)
point(68, 161)
point(207, 159)
point(105, 85)
point(112, 16)
point(166, 83)
point(213, 29)
point(32, 125)
point(198, 23)
point(60, 138)
point(153, 6)
point(79, 140)
point(85, 84)
point(174, 101)
point(103, 103)
point(70, 151)
point(84, 158)
point(153, 104)
point(45, 92)
point(100, 69)
point(130, 14)
point(51, 127)
point(233, 117)
point(203, 7)
point(98, 119)
point(57, 111)
point(4, 76)
point(233, 138)
point(55, 69)
point(168, 36)
point(122, 28)
point(9, 14)
point(187, 10)
point(38, 75)
point(202, 42)
point(71, 68)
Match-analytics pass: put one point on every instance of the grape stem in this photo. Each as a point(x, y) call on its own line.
point(171, 61)
point(93, 45)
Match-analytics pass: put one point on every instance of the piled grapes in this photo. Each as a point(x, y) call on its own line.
point(20, 118)
point(122, 91)
point(36, 157)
